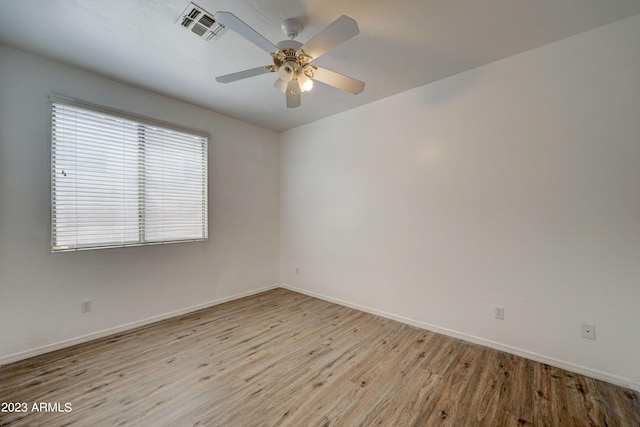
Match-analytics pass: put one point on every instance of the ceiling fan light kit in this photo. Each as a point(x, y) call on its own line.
point(292, 60)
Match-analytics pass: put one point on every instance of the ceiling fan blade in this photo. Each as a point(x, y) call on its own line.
point(338, 80)
point(293, 94)
point(234, 23)
point(338, 32)
point(228, 78)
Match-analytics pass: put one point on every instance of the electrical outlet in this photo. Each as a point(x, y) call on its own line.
point(297, 270)
point(589, 331)
point(85, 306)
point(499, 313)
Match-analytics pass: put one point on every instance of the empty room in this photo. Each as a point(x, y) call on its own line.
point(314, 213)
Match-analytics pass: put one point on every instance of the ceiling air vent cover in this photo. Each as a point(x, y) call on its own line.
point(201, 23)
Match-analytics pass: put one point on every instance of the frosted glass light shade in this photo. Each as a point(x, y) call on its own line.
point(286, 71)
point(281, 85)
point(306, 84)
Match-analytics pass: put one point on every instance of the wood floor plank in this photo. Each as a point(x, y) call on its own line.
point(280, 358)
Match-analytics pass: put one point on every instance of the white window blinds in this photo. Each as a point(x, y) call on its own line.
point(118, 182)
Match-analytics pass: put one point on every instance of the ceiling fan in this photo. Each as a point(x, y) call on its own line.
point(292, 60)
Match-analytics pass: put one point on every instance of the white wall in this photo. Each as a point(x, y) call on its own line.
point(516, 184)
point(40, 292)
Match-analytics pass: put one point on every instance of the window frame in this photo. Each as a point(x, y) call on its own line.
point(142, 122)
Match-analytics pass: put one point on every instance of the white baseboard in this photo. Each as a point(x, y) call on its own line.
point(632, 383)
point(4, 360)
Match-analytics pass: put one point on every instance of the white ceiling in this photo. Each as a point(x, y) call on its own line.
point(402, 44)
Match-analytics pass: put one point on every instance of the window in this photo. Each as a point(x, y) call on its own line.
point(121, 181)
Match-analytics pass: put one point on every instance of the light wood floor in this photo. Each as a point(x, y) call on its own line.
point(282, 358)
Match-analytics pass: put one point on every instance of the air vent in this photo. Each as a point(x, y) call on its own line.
point(200, 22)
